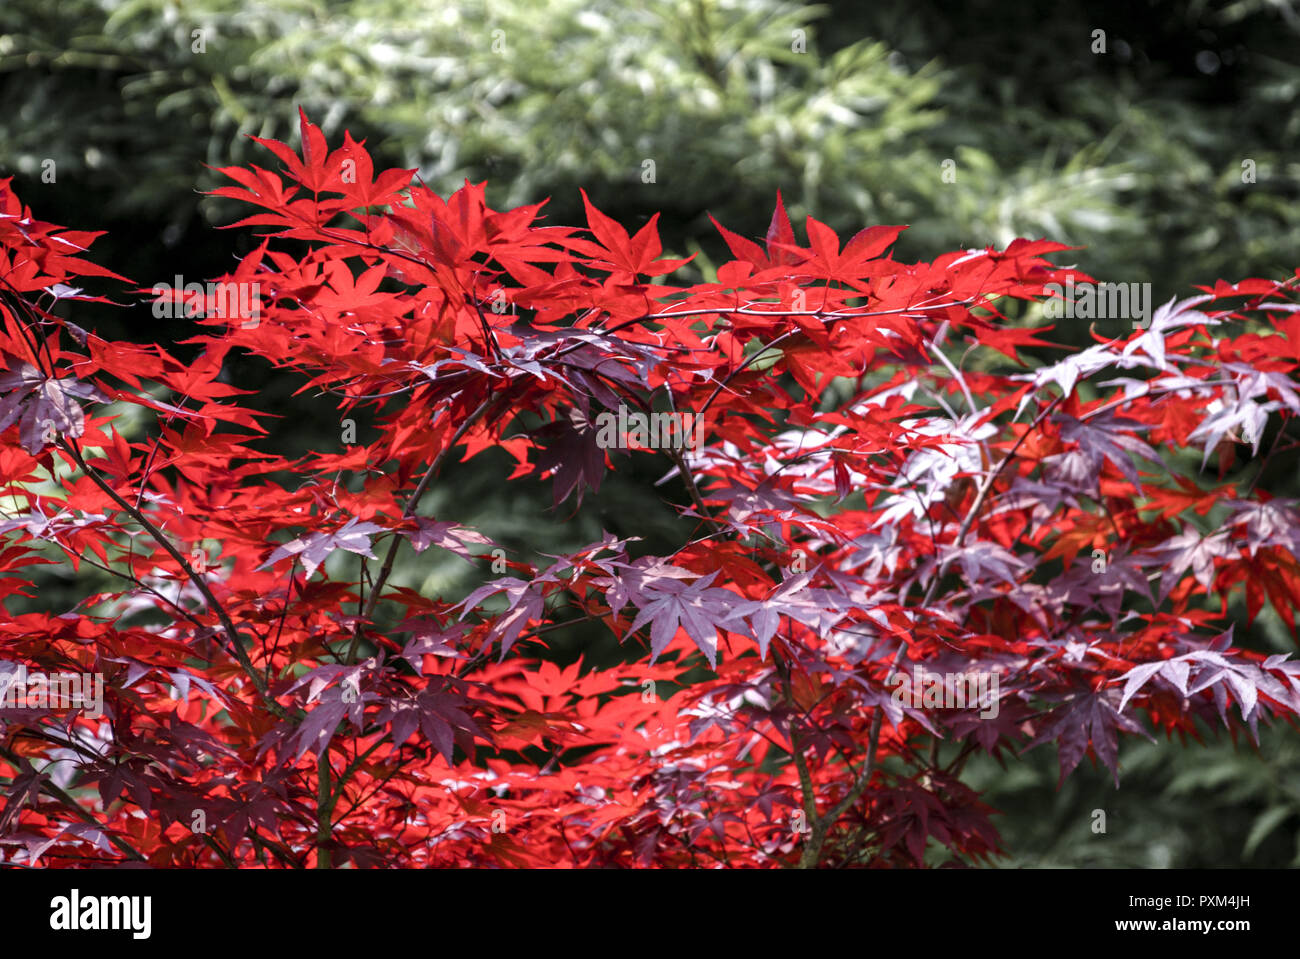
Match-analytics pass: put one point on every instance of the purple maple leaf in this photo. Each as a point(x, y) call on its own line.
point(448, 536)
point(527, 602)
point(1086, 719)
point(44, 407)
point(315, 548)
point(667, 603)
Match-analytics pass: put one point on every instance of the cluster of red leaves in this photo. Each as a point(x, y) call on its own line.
point(884, 482)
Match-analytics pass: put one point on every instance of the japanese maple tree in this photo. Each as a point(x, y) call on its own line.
point(884, 485)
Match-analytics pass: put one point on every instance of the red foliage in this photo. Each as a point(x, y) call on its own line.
point(883, 486)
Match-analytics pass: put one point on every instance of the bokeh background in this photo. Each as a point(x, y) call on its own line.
point(1165, 147)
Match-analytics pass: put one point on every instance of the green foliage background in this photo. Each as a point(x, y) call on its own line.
point(850, 109)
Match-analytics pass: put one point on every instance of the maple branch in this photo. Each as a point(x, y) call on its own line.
point(58, 793)
point(746, 311)
point(742, 367)
point(923, 505)
point(982, 494)
point(361, 799)
point(955, 767)
point(373, 396)
point(805, 777)
point(284, 614)
point(199, 582)
point(324, 809)
point(284, 855)
point(481, 657)
point(948, 364)
point(689, 479)
point(1273, 447)
point(813, 848)
point(41, 734)
point(352, 767)
point(823, 314)
point(34, 343)
point(216, 846)
point(956, 375)
point(157, 444)
point(409, 510)
point(489, 337)
point(1159, 391)
point(800, 762)
point(820, 825)
point(133, 580)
